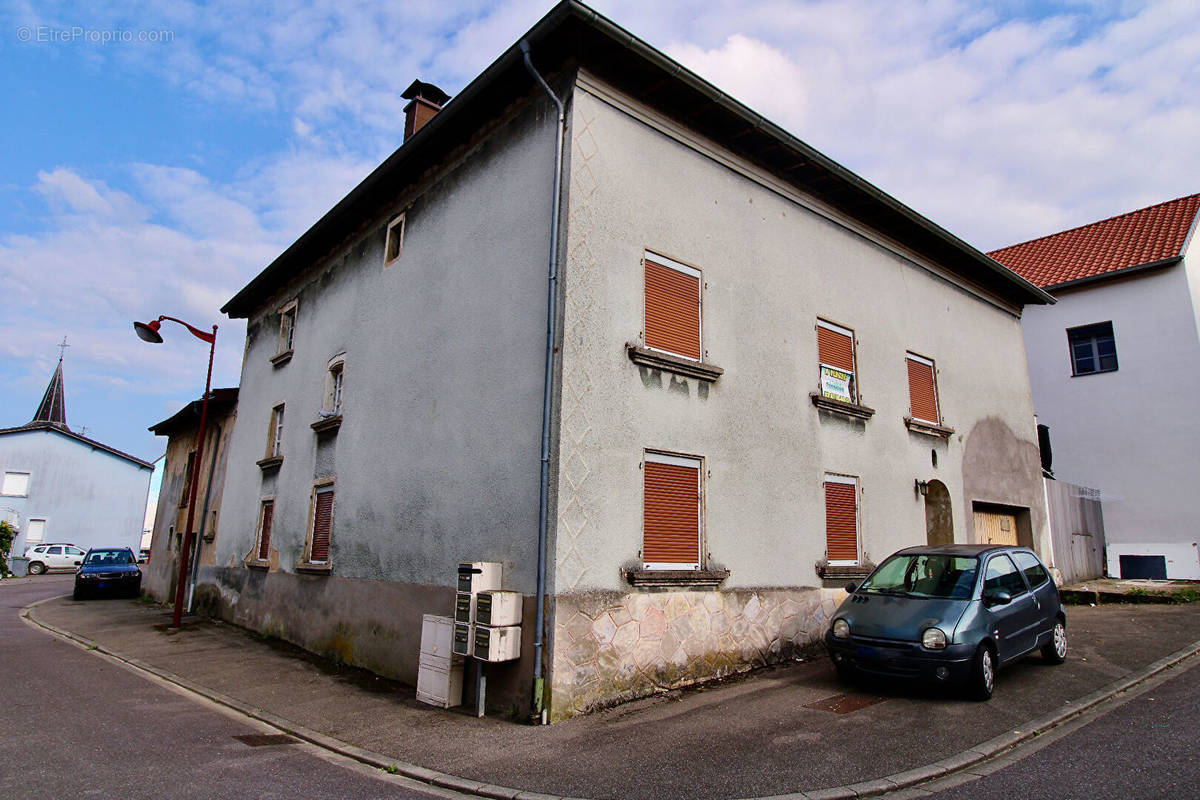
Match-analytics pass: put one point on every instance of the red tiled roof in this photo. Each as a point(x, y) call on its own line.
point(1129, 240)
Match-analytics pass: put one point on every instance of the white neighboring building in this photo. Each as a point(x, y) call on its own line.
point(1115, 371)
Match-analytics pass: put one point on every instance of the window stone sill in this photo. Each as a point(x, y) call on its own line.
point(314, 569)
point(928, 428)
point(852, 410)
point(670, 363)
point(269, 463)
point(263, 566)
point(676, 578)
point(327, 424)
point(279, 359)
point(837, 576)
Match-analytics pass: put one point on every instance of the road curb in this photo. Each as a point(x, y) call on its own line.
point(870, 788)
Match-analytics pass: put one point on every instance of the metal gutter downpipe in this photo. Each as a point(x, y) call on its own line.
point(538, 709)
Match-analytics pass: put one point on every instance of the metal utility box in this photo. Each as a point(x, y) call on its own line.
point(497, 609)
point(497, 644)
point(464, 638)
point(438, 685)
point(479, 576)
point(440, 671)
point(464, 607)
point(436, 636)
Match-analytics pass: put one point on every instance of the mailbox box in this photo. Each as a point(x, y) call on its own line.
point(497, 609)
point(464, 638)
point(497, 644)
point(464, 607)
point(479, 576)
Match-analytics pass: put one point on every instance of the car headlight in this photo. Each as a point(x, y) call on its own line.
point(85, 576)
point(933, 639)
point(841, 629)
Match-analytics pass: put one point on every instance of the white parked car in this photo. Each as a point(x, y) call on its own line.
point(55, 556)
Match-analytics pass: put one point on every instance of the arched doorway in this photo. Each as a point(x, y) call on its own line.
point(939, 519)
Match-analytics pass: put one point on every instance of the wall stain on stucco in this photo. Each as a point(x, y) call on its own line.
point(651, 378)
point(680, 386)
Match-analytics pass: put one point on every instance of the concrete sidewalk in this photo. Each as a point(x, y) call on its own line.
point(783, 730)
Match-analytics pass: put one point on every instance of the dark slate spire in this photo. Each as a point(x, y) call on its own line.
point(53, 408)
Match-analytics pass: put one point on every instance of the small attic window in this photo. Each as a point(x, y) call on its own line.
point(395, 241)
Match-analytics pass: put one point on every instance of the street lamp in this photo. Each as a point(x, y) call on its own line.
point(148, 332)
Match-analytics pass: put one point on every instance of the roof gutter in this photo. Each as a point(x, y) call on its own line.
point(1116, 273)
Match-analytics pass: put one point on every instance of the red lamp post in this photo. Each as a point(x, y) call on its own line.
point(148, 331)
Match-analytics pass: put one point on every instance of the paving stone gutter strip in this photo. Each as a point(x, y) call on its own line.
point(876, 786)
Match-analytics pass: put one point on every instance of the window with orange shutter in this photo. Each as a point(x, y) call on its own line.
point(671, 512)
point(922, 389)
point(322, 525)
point(672, 321)
point(835, 351)
point(841, 519)
point(265, 518)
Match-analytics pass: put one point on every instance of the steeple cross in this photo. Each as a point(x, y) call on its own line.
point(62, 348)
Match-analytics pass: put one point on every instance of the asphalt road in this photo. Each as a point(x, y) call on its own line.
point(1147, 748)
point(77, 724)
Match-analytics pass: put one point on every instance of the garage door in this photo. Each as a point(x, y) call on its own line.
point(992, 528)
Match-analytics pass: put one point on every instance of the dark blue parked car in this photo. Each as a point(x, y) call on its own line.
point(108, 570)
point(952, 614)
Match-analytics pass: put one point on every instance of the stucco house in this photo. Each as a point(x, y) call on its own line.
point(683, 380)
point(1115, 371)
point(162, 571)
point(57, 485)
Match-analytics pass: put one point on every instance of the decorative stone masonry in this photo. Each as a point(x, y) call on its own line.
point(611, 647)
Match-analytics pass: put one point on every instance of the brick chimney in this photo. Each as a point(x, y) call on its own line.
point(424, 100)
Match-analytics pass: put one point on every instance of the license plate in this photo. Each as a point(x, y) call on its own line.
point(867, 652)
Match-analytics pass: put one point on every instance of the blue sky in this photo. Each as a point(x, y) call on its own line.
point(140, 178)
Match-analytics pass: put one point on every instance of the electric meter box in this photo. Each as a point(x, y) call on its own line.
point(464, 638)
point(497, 644)
point(479, 576)
point(437, 633)
point(464, 607)
point(497, 609)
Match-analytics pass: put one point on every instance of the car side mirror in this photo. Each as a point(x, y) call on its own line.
point(851, 587)
point(996, 597)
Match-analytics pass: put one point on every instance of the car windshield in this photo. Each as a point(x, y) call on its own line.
point(924, 575)
point(101, 557)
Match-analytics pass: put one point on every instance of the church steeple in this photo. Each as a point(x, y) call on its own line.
point(53, 408)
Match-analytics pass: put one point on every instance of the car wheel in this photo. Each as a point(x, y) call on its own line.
point(36, 568)
point(983, 674)
point(845, 674)
point(1055, 650)
point(77, 594)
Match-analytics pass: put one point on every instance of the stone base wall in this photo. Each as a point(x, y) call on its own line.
point(364, 623)
point(610, 647)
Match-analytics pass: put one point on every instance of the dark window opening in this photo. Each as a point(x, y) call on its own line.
point(1093, 349)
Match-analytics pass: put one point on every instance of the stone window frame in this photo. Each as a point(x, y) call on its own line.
point(15, 472)
point(285, 344)
point(306, 564)
point(393, 242)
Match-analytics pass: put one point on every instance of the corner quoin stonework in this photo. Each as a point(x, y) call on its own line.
point(611, 647)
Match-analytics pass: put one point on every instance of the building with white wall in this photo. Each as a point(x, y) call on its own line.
point(57, 485)
point(1115, 370)
point(762, 375)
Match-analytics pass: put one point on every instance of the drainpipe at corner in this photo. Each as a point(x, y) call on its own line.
point(538, 708)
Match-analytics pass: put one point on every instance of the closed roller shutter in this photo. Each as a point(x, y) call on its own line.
point(835, 348)
point(841, 521)
point(672, 310)
point(322, 526)
point(264, 535)
point(921, 392)
point(671, 528)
